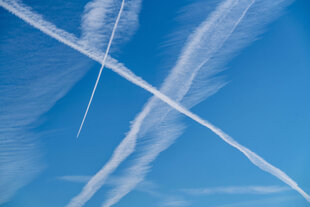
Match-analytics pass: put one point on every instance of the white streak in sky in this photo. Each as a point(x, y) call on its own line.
point(175, 201)
point(75, 178)
point(102, 64)
point(145, 186)
point(273, 201)
point(237, 190)
point(37, 21)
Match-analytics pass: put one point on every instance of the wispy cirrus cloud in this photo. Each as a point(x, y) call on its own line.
point(98, 21)
point(75, 178)
point(270, 202)
point(31, 83)
point(237, 190)
point(175, 201)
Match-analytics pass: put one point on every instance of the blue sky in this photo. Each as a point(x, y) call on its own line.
point(46, 86)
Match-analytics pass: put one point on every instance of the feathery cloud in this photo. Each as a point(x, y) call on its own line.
point(31, 83)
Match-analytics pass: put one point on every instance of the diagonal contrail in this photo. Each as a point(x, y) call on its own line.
point(37, 21)
point(102, 64)
point(200, 48)
point(127, 146)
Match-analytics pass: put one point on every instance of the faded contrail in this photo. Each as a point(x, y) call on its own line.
point(37, 21)
point(102, 64)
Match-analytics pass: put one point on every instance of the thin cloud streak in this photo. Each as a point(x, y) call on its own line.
point(145, 186)
point(175, 201)
point(75, 178)
point(23, 13)
point(261, 202)
point(102, 64)
point(237, 190)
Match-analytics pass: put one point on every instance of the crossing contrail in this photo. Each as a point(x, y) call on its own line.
point(102, 64)
point(183, 66)
point(200, 48)
point(38, 22)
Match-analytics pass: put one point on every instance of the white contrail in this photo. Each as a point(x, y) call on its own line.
point(102, 64)
point(127, 146)
point(38, 22)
